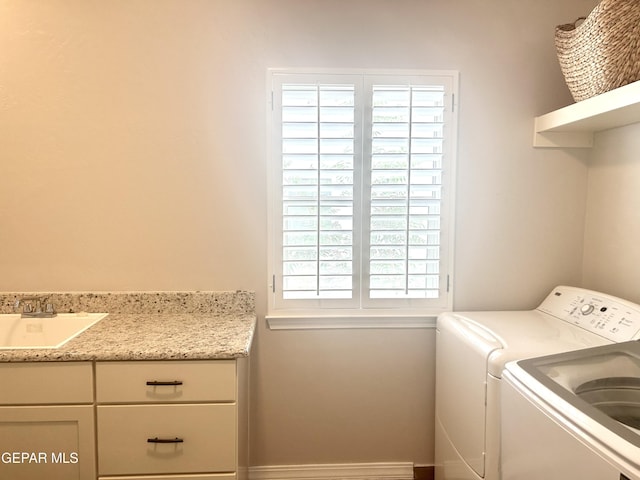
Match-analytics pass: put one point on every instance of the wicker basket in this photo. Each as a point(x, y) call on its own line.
point(602, 52)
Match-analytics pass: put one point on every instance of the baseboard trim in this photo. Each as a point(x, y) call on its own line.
point(346, 471)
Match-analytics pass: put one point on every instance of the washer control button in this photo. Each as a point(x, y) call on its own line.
point(586, 309)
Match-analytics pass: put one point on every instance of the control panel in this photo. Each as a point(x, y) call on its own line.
point(610, 317)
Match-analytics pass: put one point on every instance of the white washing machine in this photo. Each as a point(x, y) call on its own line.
point(573, 415)
point(472, 349)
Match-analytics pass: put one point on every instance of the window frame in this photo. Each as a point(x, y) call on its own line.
point(329, 312)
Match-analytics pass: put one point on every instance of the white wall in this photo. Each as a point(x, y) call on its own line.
point(132, 157)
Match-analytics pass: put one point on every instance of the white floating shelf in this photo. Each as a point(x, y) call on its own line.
point(574, 126)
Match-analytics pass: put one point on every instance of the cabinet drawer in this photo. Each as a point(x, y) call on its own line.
point(46, 383)
point(171, 381)
point(130, 439)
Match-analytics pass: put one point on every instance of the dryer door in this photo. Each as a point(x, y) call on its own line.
point(462, 352)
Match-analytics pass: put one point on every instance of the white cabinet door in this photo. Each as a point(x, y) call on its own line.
point(47, 443)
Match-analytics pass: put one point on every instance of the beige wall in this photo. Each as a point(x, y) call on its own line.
point(612, 245)
point(132, 157)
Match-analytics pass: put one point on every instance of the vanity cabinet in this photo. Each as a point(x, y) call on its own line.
point(153, 420)
point(47, 421)
point(159, 419)
point(156, 390)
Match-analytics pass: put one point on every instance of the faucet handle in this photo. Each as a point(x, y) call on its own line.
point(32, 307)
point(27, 304)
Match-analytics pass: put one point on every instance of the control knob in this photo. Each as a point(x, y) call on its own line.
point(586, 309)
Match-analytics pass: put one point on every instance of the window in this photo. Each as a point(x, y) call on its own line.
point(361, 191)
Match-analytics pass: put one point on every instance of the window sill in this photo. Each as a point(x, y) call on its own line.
point(320, 322)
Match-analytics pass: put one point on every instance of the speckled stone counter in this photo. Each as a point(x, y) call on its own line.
point(149, 326)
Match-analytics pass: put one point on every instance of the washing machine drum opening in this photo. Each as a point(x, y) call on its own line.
point(617, 397)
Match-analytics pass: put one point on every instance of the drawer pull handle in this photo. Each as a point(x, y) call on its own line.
point(173, 383)
point(165, 440)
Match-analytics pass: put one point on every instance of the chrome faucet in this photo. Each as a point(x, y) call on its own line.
point(32, 307)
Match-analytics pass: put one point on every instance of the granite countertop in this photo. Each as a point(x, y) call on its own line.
point(221, 327)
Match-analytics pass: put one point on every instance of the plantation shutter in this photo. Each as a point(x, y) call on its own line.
point(405, 168)
point(362, 204)
point(318, 137)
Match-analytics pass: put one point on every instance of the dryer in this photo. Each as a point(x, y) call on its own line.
point(472, 349)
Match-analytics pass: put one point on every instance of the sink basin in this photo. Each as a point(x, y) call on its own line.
point(23, 333)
